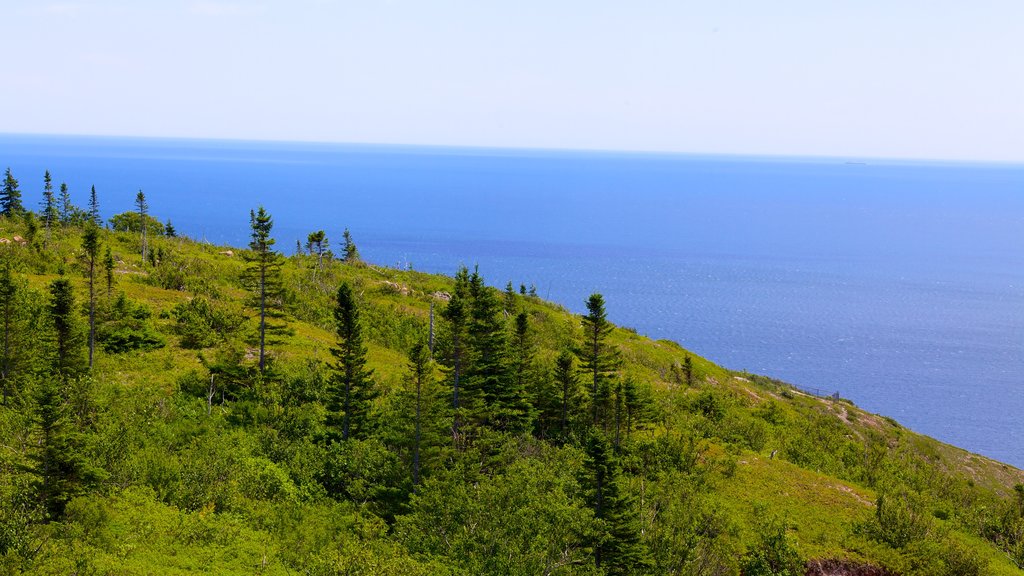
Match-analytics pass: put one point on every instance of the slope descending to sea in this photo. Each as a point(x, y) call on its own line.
point(899, 284)
point(203, 464)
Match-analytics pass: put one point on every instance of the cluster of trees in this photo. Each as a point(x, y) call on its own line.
point(492, 385)
point(495, 439)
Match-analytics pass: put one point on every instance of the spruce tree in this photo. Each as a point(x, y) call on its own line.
point(456, 314)
point(351, 391)
point(108, 267)
point(514, 399)
point(569, 392)
point(598, 360)
point(59, 462)
point(8, 311)
point(169, 230)
point(10, 196)
point(91, 245)
point(69, 341)
point(67, 209)
point(488, 374)
point(143, 207)
point(50, 214)
point(263, 277)
point(94, 208)
point(350, 250)
point(420, 415)
point(617, 547)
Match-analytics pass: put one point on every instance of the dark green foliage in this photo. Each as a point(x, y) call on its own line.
point(108, 268)
point(69, 357)
point(455, 353)
point(569, 395)
point(598, 360)
point(94, 208)
point(10, 196)
point(365, 472)
point(50, 214)
point(526, 520)
point(125, 326)
point(9, 324)
point(142, 208)
point(349, 248)
point(59, 463)
point(202, 322)
point(169, 230)
point(91, 245)
point(351, 391)
point(263, 278)
point(418, 419)
point(489, 380)
point(617, 546)
point(67, 209)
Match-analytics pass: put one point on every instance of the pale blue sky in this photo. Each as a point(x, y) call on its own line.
point(877, 78)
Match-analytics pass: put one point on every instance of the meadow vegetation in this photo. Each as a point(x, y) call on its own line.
point(245, 412)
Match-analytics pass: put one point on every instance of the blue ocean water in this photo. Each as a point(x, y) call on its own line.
point(899, 285)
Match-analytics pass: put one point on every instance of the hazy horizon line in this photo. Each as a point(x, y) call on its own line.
point(847, 159)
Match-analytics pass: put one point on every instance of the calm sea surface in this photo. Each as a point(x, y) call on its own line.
point(899, 285)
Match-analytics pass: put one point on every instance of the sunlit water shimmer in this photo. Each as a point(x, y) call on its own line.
point(900, 285)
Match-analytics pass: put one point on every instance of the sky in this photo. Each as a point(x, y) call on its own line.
point(935, 79)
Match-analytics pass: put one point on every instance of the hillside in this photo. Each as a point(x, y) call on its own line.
point(176, 455)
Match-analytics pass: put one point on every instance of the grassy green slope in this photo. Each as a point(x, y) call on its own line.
point(755, 446)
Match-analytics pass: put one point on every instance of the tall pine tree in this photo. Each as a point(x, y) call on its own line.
point(617, 546)
point(10, 196)
point(94, 208)
point(58, 461)
point(67, 209)
point(351, 390)
point(69, 339)
point(597, 358)
point(263, 277)
point(143, 208)
point(456, 314)
point(50, 214)
point(419, 416)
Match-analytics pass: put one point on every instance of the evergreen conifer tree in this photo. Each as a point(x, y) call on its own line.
point(67, 209)
point(143, 208)
point(456, 314)
point(169, 230)
point(8, 311)
point(617, 547)
point(91, 245)
point(94, 208)
point(10, 196)
point(351, 390)
point(597, 359)
point(263, 277)
point(59, 463)
point(568, 392)
point(488, 374)
point(350, 250)
point(69, 340)
point(420, 416)
point(108, 267)
point(50, 214)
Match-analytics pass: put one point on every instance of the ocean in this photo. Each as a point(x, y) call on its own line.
point(899, 285)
